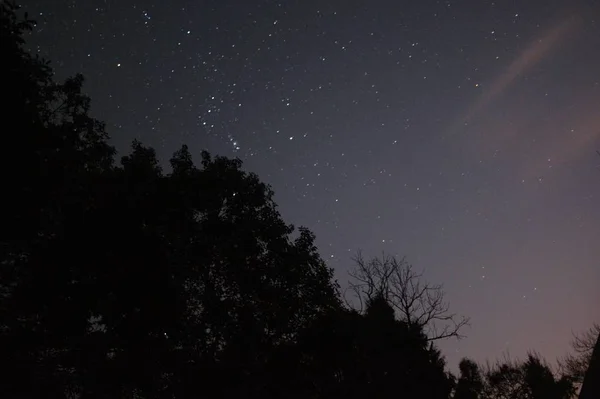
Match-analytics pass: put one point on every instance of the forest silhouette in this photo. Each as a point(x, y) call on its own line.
point(121, 280)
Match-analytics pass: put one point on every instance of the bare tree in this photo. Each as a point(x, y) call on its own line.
point(415, 301)
point(576, 364)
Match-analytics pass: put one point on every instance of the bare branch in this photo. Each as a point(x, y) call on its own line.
point(576, 364)
point(416, 302)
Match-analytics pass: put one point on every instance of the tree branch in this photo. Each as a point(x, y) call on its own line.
point(417, 303)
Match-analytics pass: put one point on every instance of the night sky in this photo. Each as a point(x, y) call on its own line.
point(461, 134)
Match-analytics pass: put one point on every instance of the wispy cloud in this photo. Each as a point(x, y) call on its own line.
point(535, 52)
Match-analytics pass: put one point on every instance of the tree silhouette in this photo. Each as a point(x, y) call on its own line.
point(50, 159)
point(576, 364)
point(200, 264)
point(531, 379)
point(591, 382)
point(352, 355)
point(417, 303)
point(55, 140)
point(123, 281)
point(470, 384)
point(543, 383)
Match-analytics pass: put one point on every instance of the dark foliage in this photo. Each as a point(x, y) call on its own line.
point(509, 379)
point(591, 382)
point(351, 355)
point(576, 364)
point(121, 280)
point(470, 383)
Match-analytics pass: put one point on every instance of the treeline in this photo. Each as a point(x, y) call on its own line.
point(119, 280)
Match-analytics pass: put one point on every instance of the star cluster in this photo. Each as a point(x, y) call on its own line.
point(461, 134)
